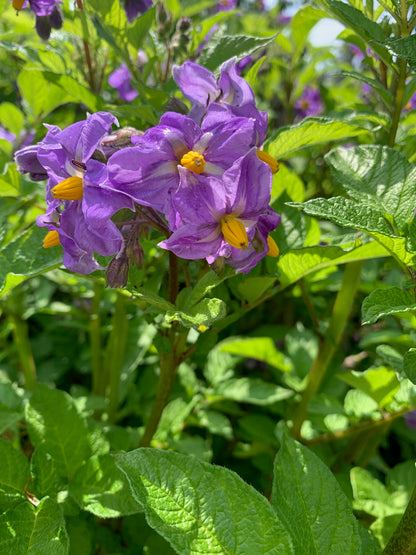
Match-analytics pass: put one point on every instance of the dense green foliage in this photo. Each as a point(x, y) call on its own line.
point(250, 413)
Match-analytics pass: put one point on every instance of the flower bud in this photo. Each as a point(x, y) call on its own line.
point(43, 26)
point(134, 251)
point(120, 138)
point(56, 18)
point(117, 271)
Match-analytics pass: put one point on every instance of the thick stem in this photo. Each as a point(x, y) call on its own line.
point(403, 540)
point(98, 385)
point(173, 277)
point(328, 347)
point(115, 354)
point(87, 53)
point(168, 366)
point(24, 350)
point(401, 82)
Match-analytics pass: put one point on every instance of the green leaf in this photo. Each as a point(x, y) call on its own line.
point(370, 495)
point(404, 48)
point(354, 19)
point(100, 488)
point(384, 93)
point(54, 423)
point(34, 530)
point(299, 263)
point(409, 365)
point(386, 301)
point(25, 257)
point(252, 289)
point(14, 475)
point(207, 283)
point(39, 96)
point(308, 498)
point(378, 177)
point(222, 47)
point(11, 117)
point(259, 348)
point(380, 384)
point(360, 405)
point(44, 473)
point(201, 508)
point(302, 23)
point(251, 390)
point(205, 312)
point(309, 132)
point(347, 213)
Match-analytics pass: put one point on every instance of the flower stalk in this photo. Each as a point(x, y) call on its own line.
point(329, 345)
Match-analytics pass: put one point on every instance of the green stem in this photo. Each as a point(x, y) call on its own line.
point(24, 350)
point(98, 384)
point(168, 366)
point(115, 354)
point(329, 345)
point(403, 540)
point(401, 82)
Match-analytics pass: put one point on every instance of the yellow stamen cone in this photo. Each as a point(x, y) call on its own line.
point(273, 248)
point(193, 161)
point(270, 161)
point(51, 240)
point(69, 189)
point(18, 4)
point(234, 232)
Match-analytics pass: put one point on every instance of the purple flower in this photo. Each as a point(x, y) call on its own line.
point(79, 204)
point(242, 64)
point(410, 419)
point(309, 104)
point(135, 7)
point(226, 5)
point(284, 19)
point(148, 171)
point(48, 14)
point(7, 135)
point(411, 105)
point(201, 88)
point(228, 217)
point(120, 80)
point(38, 7)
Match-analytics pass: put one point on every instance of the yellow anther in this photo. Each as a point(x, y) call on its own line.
point(51, 239)
point(273, 248)
point(270, 161)
point(69, 189)
point(234, 232)
point(193, 161)
point(18, 4)
point(202, 328)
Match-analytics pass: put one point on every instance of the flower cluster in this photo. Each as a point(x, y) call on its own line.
point(48, 14)
point(202, 179)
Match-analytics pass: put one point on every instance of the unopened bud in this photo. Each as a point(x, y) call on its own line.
point(184, 24)
point(120, 138)
point(117, 271)
point(135, 252)
point(56, 18)
point(218, 265)
point(176, 105)
point(164, 20)
point(43, 26)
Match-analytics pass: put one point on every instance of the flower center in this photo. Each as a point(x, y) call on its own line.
point(234, 232)
point(273, 248)
point(18, 4)
point(193, 161)
point(69, 189)
point(270, 161)
point(51, 239)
